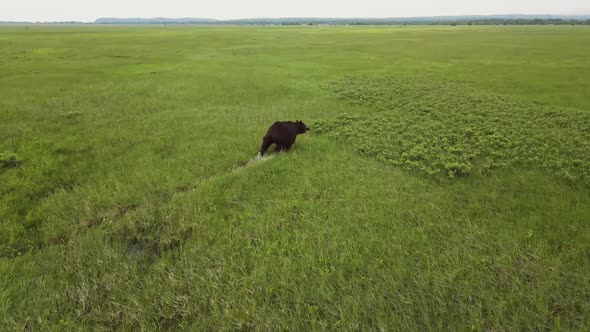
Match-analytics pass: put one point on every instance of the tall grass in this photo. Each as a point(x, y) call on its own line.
point(124, 203)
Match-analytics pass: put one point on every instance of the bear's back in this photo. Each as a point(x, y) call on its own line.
point(282, 131)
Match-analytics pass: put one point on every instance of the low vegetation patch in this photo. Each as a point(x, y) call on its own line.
point(450, 127)
point(9, 160)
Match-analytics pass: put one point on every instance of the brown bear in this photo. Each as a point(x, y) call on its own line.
point(282, 134)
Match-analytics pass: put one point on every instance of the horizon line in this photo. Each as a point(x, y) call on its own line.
point(301, 17)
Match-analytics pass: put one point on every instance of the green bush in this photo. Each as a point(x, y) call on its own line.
point(450, 127)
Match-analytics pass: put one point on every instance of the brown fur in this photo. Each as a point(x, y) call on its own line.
point(282, 135)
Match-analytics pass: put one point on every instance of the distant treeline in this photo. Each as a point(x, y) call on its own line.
point(438, 20)
point(514, 22)
point(157, 20)
point(470, 22)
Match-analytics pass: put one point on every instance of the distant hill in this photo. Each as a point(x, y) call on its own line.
point(465, 19)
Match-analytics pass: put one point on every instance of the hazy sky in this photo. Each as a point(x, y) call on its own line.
point(88, 10)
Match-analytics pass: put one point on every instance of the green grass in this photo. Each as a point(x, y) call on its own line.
point(126, 199)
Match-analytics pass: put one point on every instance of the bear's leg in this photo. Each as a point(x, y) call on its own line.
point(266, 142)
point(279, 148)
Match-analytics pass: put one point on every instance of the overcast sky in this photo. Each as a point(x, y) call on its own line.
point(89, 10)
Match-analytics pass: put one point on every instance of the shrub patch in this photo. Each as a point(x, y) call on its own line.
point(440, 127)
point(9, 160)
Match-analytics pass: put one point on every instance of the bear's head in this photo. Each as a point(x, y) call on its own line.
point(301, 127)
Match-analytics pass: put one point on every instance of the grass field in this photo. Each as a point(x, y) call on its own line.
point(445, 184)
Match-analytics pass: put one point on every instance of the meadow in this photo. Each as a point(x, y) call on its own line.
point(445, 184)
